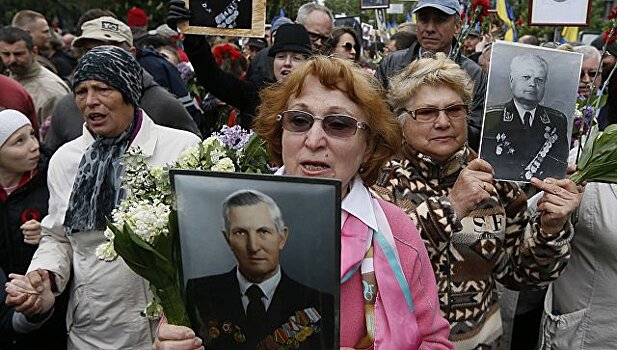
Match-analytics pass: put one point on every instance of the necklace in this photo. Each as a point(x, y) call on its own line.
point(227, 17)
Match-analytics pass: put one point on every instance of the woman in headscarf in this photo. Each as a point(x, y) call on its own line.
point(107, 298)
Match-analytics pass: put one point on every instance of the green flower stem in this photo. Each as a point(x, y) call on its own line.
point(173, 306)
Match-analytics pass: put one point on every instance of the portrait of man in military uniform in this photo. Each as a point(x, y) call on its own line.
point(256, 305)
point(523, 138)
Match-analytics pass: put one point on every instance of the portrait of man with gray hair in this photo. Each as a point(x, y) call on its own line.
point(523, 138)
point(256, 304)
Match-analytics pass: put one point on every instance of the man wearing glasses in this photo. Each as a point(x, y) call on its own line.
point(589, 70)
point(523, 139)
point(438, 22)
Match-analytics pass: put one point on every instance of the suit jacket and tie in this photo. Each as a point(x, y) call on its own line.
point(217, 315)
point(518, 152)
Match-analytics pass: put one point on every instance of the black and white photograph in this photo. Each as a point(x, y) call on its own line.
point(225, 17)
point(559, 12)
point(530, 101)
point(261, 267)
point(374, 4)
point(367, 30)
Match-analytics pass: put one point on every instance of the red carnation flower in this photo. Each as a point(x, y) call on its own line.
point(226, 51)
point(609, 40)
point(613, 14)
point(484, 7)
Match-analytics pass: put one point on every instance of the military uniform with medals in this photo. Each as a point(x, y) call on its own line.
point(520, 152)
point(299, 317)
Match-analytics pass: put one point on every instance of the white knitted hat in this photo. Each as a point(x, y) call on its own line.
point(10, 121)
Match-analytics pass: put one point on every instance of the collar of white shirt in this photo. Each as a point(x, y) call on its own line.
point(358, 202)
point(521, 113)
point(268, 287)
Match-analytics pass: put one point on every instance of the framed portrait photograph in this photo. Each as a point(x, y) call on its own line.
point(226, 18)
point(530, 101)
point(559, 12)
point(374, 4)
point(260, 259)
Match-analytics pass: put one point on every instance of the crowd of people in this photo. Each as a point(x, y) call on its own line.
point(425, 222)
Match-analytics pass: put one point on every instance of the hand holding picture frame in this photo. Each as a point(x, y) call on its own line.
point(238, 231)
point(225, 17)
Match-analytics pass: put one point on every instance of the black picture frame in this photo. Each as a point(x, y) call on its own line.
point(310, 208)
point(374, 4)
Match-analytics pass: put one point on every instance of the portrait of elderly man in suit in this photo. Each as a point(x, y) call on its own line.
point(256, 304)
point(522, 138)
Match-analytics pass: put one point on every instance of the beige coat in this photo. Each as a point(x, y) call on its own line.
point(107, 298)
point(45, 88)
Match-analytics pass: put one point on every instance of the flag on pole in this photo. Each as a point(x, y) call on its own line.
point(569, 34)
point(505, 13)
point(408, 18)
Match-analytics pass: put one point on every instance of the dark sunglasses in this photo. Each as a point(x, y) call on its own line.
point(347, 46)
point(430, 114)
point(316, 36)
point(334, 125)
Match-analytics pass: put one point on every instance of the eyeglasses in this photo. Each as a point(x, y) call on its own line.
point(590, 73)
point(347, 46)
point(430, 114)
point(334, 125)
point(316, 36)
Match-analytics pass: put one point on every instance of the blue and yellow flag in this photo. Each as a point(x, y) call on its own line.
point(569, 34)
point(505, 13)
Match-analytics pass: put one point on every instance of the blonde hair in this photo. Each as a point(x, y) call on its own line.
point(434, 71)
point(24, 18)
point(384, 137)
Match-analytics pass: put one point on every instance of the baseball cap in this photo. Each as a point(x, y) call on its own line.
point(450, 7)
point(104, 29)
point(279, 22)
point(474, 32)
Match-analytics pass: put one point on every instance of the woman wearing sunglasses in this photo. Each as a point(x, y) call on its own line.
point(477, 230)
point(330, 119)
point(343, 43)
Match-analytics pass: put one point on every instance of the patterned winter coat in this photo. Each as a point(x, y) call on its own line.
point(498, 241)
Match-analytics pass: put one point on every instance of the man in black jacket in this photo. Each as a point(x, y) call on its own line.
point(256, 304)
point(523, 138)
point(438, 22)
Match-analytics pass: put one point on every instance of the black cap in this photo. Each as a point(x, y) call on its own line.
point(291, 37)
point(258, 43)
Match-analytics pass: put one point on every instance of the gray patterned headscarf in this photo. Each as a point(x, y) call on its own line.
point(97, 189)
point(113, 66)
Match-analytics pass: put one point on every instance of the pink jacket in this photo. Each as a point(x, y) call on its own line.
point(428, 329)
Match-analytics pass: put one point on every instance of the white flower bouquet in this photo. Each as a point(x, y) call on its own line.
point(143, 229)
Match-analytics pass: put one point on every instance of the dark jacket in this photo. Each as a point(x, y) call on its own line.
point(217, 315)
point(160, 105)
point(168, 76)
point(242, 94)
point(399, 60)
point(27, 202)
point(518, 152)
point(261, 69)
